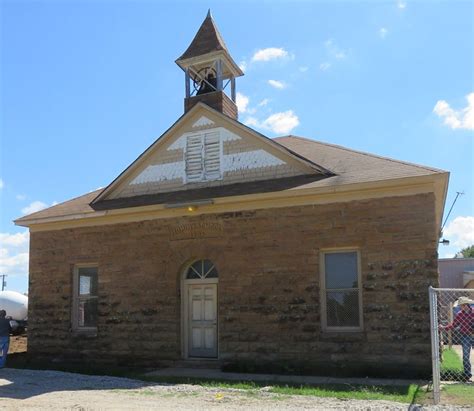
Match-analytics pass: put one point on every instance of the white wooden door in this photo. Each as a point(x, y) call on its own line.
point(202, 320)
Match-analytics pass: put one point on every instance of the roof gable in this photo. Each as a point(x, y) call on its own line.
point(353, 171)
point(204, 150)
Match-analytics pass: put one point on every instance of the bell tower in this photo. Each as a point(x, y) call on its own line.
point(209, 70)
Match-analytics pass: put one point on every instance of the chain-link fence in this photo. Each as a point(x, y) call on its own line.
point(452, 336)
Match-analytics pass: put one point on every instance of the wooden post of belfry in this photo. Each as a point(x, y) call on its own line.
point(232, 88)
point(219, 80)
point(187, 81)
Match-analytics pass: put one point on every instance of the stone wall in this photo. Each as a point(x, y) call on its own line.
point(268, 263)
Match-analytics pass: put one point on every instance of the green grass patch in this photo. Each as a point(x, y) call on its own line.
point(459, 394)
point(451, 366)
point(360, 392)
point(404, 394)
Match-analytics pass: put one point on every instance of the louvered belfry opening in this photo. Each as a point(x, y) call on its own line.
point(210, 71)
point(203, 157)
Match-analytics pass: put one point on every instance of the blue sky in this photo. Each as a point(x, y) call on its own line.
point(86, 86)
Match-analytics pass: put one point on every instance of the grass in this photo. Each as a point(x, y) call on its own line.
point(451, 366)
point(459, 394)
point(360, 392)
point(406, 394)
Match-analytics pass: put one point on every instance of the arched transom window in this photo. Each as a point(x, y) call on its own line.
point(200, 270)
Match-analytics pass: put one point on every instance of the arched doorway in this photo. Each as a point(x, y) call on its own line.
point(200, 280)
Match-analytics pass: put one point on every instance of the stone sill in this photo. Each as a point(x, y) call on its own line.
point(343, 336)
point(84, 333)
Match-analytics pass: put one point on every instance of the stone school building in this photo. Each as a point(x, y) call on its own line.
point(221, 246)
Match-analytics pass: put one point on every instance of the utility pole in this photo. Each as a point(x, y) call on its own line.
point(4, 283)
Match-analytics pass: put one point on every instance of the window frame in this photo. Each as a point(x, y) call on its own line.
point(323, 290)
point(76, 298)
point(204, 176)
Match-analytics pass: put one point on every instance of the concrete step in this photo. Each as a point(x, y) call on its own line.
point(198, 363)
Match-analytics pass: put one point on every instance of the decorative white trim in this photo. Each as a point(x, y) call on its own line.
point(249, 160)
point(202, 122)
point(180, 142)
point(160, 172)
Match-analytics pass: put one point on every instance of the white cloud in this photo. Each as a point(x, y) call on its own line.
point(401, 4)
point(334, 50)
point(457, 119)
point(242, 102)
point(16, 240)
point(325, 66)
point(14, 253)
point(34, 207)
point(277, 84)
point(383, 32)
point(281, 123)
point(270, 53)
point(243, 65)
point(1, 184)
point(303, 69)
point(460, 231)
point(264, 102)
point(20, 197)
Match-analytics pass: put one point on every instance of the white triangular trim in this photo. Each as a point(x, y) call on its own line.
point(203, 121)
point(106, 193)
point(180, 142)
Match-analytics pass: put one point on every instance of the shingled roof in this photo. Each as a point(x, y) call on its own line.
point(349, 166)
point(207, 40)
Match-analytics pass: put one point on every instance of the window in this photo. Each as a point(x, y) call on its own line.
point(85, 298)
point(340, 288)
point(203, 157)
point(200, 270)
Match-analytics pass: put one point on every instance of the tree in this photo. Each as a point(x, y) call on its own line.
point(467, 252)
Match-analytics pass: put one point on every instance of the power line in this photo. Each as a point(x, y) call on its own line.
point(458, 193)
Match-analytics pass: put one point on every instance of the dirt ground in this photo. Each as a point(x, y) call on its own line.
point(51, 390)
point(18, 344)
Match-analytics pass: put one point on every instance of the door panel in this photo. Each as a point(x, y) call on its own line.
point(202, 320)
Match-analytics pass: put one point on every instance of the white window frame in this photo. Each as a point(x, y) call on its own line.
point(204, 177)
point(76, 298)
point(323, 290)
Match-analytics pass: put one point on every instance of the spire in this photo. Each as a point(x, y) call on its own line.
point(207, 40)
point(209, 69)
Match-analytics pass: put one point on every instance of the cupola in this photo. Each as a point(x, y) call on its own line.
point(209, 71)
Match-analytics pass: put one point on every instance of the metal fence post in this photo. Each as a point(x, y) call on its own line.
point(435, 344)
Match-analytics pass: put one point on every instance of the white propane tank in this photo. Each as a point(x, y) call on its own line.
point(15, 304)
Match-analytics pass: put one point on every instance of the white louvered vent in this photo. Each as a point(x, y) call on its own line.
point(212, 156)
point(203, 157)
point(194, 166)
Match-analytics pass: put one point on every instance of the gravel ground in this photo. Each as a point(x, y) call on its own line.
point(28, 389)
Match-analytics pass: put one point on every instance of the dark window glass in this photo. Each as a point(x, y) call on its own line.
point(341, 270)
point(87, 297)
point(212, 273)
point(342, 308)
point(87, 313)
point(207, 266)
point(201, 269)
point(192, 274)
